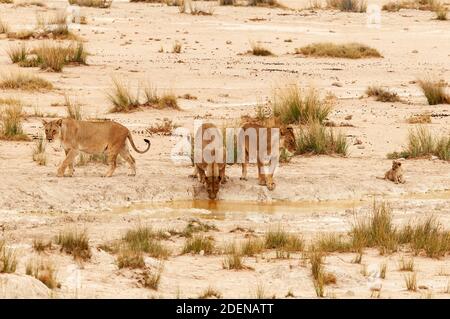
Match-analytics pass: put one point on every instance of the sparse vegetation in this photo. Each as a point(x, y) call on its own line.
point(383, 271)
point(422, 143)
point(129, 258)
point(332, 243)
point(152, 277)
point(278, 238)
point(23, 81)
point(426, 5)
point(382, 94)
point(163, 128)
point(252, 247)
point(406, 264)
point(147, 240)
point(234, 261)
point(75, 243)
point(434, 92)
point(8, 259)
point(411, 281)
point(347, 51)
point(4, 28)
point(121, 97)
point(348, 5)
point(39, 155)
point(440, 11)
point(320, 277)
point(294, 105)
point(73, 109)
point(40, 246)
point(259, 50)
point(196, 226)
point(209, 293)
point(11, 124)
point(92, 3)
point(44, 271)
point(317, 139)
point(198, 244)
point(424, 118)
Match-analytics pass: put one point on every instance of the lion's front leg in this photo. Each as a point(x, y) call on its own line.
point(68, 161)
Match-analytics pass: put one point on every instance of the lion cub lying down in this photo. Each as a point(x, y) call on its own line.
point(395, 174)
point(93, 138)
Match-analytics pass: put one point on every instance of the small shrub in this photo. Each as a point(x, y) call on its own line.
point(44, 271)
point(164, 128)
point(434, 92)
point(74, 243)
point(382, 95)
point(17, 53)
point(440, 11)
point(197, 244)
point(259, 50)
point(424, 118)
point(318, 139)
point(11, 124)
point(347, 51)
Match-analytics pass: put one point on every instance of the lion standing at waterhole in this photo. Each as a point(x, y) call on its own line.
point(92, 137)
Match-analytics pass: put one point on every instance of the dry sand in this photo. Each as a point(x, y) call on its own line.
point(313, 194)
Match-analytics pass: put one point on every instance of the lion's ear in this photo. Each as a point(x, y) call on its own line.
point(44, 122)
point(59, 122)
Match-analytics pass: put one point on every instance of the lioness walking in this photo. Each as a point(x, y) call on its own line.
point(92, 137)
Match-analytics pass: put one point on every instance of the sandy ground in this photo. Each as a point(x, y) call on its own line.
point(313, 194)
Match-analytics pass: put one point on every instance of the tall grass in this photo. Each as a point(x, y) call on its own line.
point(347, 50)
point(121, 98)
point(8, 259)
point(294, 105)
point(198, 244)
point(278, 238)
point(75, 243)
point(17, 53)
point(421, 143)
point(73, 109)
point(434, 92)
point(11, 124)
point(314, 138)
point(23, 81)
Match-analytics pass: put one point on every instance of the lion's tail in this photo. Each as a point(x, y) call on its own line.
point(130, 138)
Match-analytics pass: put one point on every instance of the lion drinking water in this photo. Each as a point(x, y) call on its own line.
point(92, 137)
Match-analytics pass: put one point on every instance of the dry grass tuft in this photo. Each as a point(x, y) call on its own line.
point(426, 5)
point(259, 50)
point(129, 258)
point(164, 128)
point(348, 5)
point(74, 243)
point(294, 105)
point(315, 138)
point(198, 244)
point(331, 243)
point(411, 281)
point(44, 271)
point(11, 124)
point(40, 246)
point(422, 143)
point(23, 81)
point(176, 47)
point(8, 259)
point(279, 239)
point(121, 97)
point(252, 247)
point(92, 3)
point(434, 92)
point(152, 277)
point(209, 293)
point(406, 265)
point(73, 109)
point(382, 94)
point(424, 118)
point(440, 11)
point(4, 27)
point(347, 51)
point(145, 239)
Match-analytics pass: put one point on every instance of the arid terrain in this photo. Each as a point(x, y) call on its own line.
point(216, 79)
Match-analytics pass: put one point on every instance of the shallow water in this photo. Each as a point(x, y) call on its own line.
point(210, 209)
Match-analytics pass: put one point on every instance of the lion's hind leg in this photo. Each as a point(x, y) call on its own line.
point(125, 154)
